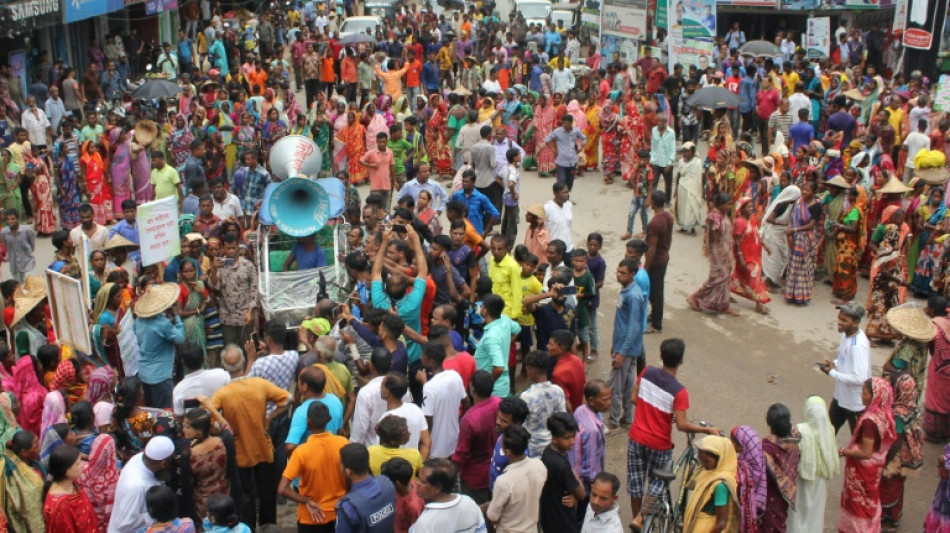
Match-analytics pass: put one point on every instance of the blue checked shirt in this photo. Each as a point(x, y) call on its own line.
point(255, 181)
point(279, 369)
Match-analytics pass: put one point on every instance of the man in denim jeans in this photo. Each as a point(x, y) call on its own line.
point(642, 180)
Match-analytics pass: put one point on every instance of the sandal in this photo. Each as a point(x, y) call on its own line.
point(608, 180)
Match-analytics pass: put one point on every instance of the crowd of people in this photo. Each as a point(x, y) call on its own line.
point(404, 408)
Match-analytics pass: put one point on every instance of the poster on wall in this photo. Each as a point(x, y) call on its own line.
point(748, 3)
point(590, 19)
point(696, 19)
point(624, 18)
point(799, 5)
point(856, 4)
point(627, 48)
point(900, 16)
point(691, 52)
point(818, 37)
point(921, 19)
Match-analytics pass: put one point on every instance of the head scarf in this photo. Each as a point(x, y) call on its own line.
point(102, 301)
point(879, 413)
point(580, 119)
point(752, 466)
point(100, 383)
point(818, 448)
point(65, 375)
point(50, 441)
point(100, 476)
point(906, 408)
point(31, 394)
point(7, 420)
point(705, 482)
point(54, 410)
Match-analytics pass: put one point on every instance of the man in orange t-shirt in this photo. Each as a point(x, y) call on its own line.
point(413, 78)
point(316, 463)
point(258, 79)
point(392, 80)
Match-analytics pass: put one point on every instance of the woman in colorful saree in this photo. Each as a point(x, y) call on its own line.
point(906, 454)
point(247, 138)
point(23, 484)
point(353, 137)
point(803, 237)
point(780, 448)
point(544, 116)
point(99, 478)
point(437, 139)
point(192, 301)
point(751, 477)
point(937, 393)
point(713, 505)
point(865, 458)
point(44, 215)
point(818, 462)
point(932, 218)
point(609, 125)
point(747, 246)
point(592, 112)
point(179, 142)
point(31, 394)
point(887, 276)
point(631, 140)
point(120, 168)
point(847, 230)
point(66, 507)
point(322, 131)
point(106, 313)
point(713, 296)
point(374, 122)
point(339, 121)
point(271, 130)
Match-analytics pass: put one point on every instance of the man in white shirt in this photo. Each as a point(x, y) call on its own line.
point(442, 395)
point(197, 381)
point(129, 512)
point(395, 387)
point(97, 234)
point(445, 510)
point(915, 142)
point(851, 369)
point(226, 204)
point(55, 108)
point(799, 100)
point(36, 123)
point(370, 405)
point(562, 79)
point(603, 513)
point(492, 85)
point(559, 215)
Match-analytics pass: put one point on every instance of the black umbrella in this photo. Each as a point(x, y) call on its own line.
point(713, 98)
point(156, 88)
point(358, 37)
point(759, 49)
point(452, 4)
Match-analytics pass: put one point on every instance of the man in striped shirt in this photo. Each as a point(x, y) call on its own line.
point(781, 120)
point(659, 397)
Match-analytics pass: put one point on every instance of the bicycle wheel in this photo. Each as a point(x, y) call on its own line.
point(660, 522)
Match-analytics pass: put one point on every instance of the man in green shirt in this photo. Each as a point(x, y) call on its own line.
point(165, 180)
point(93, 131)
point(400, 147)
point(491, 355)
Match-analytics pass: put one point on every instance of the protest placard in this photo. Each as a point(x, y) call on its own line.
point(158, 230)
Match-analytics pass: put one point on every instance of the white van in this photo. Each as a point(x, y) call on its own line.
point(534, 11)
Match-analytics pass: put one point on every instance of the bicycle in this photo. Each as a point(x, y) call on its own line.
point(663, 516)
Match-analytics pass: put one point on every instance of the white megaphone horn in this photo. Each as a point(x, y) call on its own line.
point(295, 156)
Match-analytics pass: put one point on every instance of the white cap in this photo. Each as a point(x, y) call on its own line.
point(159, 448)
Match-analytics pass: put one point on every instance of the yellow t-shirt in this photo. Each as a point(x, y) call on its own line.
point(529, 287)
point(378, 455)
point(895, 117)
point(790, 79)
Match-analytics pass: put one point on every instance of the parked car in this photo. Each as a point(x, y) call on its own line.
point(353, 25)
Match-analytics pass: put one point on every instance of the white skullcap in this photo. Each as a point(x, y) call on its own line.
point(159, 448)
